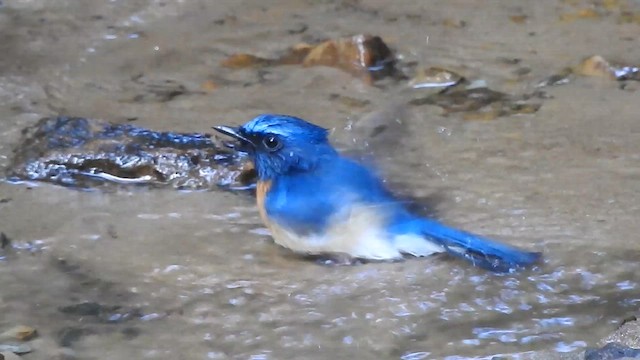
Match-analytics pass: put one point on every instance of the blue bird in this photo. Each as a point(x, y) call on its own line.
point(316, 201)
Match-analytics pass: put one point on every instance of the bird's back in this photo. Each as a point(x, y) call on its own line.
point(334, 184)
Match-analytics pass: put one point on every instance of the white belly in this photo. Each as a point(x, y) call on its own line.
point(359, 233)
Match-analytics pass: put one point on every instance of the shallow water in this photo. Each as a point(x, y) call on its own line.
point(200, 267)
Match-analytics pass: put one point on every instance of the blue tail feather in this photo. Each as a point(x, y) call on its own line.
point(480, 251)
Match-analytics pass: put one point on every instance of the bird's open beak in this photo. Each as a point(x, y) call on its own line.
point(234, 133)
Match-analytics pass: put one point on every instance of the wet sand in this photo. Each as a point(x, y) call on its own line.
point(195, 274)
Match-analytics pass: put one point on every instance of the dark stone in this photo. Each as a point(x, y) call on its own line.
point(297, 28)
point(112, 232)
point(102, 313)
point(522, 71)
point(64, 266)
point(83, 309)
point(611, 351)
point(70, 335)
point(131, 333)
point(483, 102)
point(628, 319)
point(509, 61)
point(85, 153)
point(462, 100)
point(4, 241)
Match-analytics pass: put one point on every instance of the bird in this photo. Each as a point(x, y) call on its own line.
point(316, 201)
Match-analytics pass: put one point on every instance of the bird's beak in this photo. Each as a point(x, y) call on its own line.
point(234, 133)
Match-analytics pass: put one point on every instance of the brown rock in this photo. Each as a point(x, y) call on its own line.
point(587, 13)
point(241, 61)
point(595, 66)
point(518, 19)
point(360, 55)
point(209, 86)
point(629, 17)
point(364, 56)
point(453, 23)
point(599, 67)
point(20, 332)
point(434, 77)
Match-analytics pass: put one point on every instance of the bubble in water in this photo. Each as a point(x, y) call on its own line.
point(626, 285)
point(415, 355)
point(564, 347)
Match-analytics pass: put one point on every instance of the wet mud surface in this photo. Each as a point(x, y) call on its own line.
point(534, 148)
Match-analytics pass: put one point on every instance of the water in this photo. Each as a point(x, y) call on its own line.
point(206, 280)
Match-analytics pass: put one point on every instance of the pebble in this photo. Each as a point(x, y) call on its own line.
point(20, 332)
point(15, 348)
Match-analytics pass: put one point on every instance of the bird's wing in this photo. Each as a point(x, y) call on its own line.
point(306, 202)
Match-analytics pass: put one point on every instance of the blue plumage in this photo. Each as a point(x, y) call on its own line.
point(315, 200)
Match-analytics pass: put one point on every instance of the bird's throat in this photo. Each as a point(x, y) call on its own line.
point(262, 189)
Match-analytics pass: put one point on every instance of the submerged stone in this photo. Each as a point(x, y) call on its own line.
point(434, 77)
point(102, 313)
point(85, 309)
point(612, 351)
point(70, 335)
point(462, 100)
point(480, 103)
point(85, 153)
point(561, 78)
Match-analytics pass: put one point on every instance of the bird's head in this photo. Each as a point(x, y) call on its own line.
point(281, 144)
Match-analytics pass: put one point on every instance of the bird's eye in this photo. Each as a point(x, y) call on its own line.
point(271, 143)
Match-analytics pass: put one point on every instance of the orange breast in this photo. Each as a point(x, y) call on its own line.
point(261, 194)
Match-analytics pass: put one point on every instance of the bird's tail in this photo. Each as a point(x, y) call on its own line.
point(480, 251)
